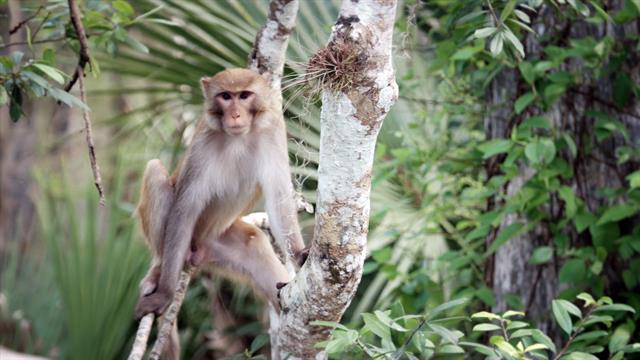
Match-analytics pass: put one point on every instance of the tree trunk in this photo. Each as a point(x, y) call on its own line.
point(509, 271)
point(350, 120)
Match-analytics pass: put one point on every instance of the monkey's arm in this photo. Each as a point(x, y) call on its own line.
point(279, 198)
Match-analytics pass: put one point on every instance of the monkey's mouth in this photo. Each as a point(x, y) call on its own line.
point(236, 130)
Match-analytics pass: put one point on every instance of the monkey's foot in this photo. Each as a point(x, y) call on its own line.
point(155, 303)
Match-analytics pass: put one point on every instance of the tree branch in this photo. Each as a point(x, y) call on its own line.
point(83, 57)
point(79, 76)
point(354, 105)
point(169, 317)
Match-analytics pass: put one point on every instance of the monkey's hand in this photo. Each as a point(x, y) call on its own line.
point(156, 303)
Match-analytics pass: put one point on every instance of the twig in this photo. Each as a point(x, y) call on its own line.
point(89, 136)
point(169, 317)
point(83, 58)
point(142, 335)
point(21, 23)
point(78, 75)
point(144, 328)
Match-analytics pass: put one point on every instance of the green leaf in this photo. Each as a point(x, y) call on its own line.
point(258, 343)
point(523, 101)
point(583, 220)
point(446, 334)
point(541, 255)
point(540, 151)
point(505, 235)
point(542, 338)
point(536, 347)
point(633, 178)
point(4, 97)
point(514, 41)
point(451, 349)
point(484, 32)
point(131, 41)
point(526, 69)
point(539, 122)
point(15, 106)
point(570, 206)
point(495, 147)
point(486, 327)
point(615, 307)
point(569, 307)
point(446, 306)
point(512, 313)
point(496, 43)
point(503, 345)
point(123, 8)
point(577, 355)
point(562, 317)
point(571, 144)
point(485, 315)
point(572, 271)
point(620, 338)
point(587, 298)
point(377, 327)
point(382, 316)
point(508, 9)
point(67, 98)
point(51, 72)
point(617, 212)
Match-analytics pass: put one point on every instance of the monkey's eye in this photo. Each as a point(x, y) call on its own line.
point(245, 94)
point(225, 95)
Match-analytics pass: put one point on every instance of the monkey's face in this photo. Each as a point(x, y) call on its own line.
point(235, 110)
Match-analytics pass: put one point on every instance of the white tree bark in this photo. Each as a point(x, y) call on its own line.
point(350, 121)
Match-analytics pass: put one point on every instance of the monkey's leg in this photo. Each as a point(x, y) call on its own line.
point(246, 251)
point(156, 197)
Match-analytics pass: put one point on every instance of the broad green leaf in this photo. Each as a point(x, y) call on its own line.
point(446, 306)
point(4, 97)
point(526, 69)
point(512, 313)
point(451, 349)
point(542, 338)
point(259, 342)
point(51, 72)
point(486, 327)
point(570, 206)
point(446, 334)
point(382, 316)
point(123, 7)
point(597, 334)
point(587, 298)
point(633, 178)
point(577, 355)
point(484, 32)
point(540, 151)
point(523, 101)
point(514, 41)
point(541, 255)
point(521, 333)
point(572, 271)
point(494, 147)
point(535, 122)
point(536, 347)
point(620, 338)
point(131, 41)
point(617, 212)
point(508, 9)
point(569, 307)
point(615, 307)
point(503, 345)
point(516, 325)
point(562, 317)
point(485, 315)
point(496, 43)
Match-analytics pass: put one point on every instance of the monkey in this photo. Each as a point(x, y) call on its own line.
point(238, 154)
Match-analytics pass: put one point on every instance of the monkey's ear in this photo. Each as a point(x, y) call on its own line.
point(205, 85)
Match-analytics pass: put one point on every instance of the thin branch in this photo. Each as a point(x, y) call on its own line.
point(89, 136)
point(142, 336)
point(79, 76)
point(144, 328)
point(83, 58)
point(43, 41)
point(169, 316)
point(14, 29)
